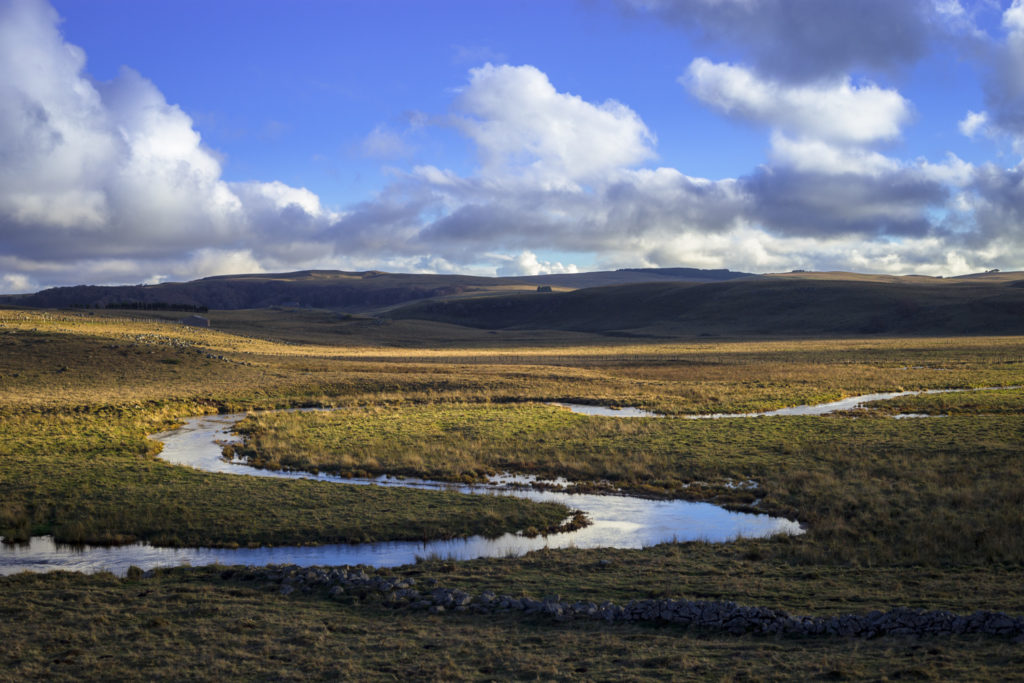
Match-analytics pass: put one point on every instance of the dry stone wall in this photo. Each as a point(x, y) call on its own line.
point(350, 584)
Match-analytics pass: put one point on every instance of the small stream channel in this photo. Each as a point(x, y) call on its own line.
point(848, 403)
point(618, 521)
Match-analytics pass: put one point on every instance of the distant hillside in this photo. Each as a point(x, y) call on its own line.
point(628, 276)
point(350, 291)
point(642, 302)
point(767, 305)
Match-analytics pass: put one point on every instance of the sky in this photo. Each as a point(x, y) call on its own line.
point(145, 142)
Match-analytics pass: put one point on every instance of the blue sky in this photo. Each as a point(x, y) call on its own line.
point(290, 91)
point(154, 141)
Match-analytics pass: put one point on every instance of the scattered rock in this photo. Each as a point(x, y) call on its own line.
point(350, 585)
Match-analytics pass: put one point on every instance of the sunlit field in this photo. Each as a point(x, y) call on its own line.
point(924, 512)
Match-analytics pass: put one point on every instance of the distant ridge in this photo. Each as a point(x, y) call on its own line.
point(687, 273)
point(789, 304)
point(641, 302)
point(350, 291)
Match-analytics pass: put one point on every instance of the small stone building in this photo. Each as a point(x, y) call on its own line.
point(196, 321)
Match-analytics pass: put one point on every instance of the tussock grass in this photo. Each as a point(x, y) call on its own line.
point(968, 403)
point(95, 479)
point(748, 572)
point(460, 410)
point(193, 625)
point(870, 489)
point(925, 513)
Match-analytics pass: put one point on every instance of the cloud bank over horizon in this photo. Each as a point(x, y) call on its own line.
point(106, 182)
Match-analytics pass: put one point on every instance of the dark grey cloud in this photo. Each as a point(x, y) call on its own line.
point(633, 207)
point(637, 207)
point(1005, 105)
point(794, 202)
point(998, 211)
point(386, 224)
point(1004, 76)
point(801, 40)
point(460, 235)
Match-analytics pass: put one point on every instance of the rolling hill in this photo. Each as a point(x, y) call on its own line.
point(815, 304)
point(348, 291)
point(669, 302)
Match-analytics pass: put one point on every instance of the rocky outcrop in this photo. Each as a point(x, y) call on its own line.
point(348, 584)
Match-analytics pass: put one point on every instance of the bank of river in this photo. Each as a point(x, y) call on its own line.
point(848, 403)
point(616, 521)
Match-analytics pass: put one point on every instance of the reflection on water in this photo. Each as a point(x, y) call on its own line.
point(621, 522)
point(819, 409)
point(618, 522)
point(603, 411)
point(849, 403)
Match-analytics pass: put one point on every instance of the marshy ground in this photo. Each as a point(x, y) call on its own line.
point(927, 513)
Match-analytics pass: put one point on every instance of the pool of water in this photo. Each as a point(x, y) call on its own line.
point(604, 411)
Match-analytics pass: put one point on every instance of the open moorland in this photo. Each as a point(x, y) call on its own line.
point(926, 513)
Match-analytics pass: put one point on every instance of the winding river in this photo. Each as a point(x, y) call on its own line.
point(848, 403)
point(618, 521)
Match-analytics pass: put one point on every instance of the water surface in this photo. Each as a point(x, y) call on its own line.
point(849, 403)
point(618, 521)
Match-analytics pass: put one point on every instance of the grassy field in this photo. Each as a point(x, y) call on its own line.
point(925, 513)
point(195, 626)
point(94, 478)
point(78, 398)
point(869, 489)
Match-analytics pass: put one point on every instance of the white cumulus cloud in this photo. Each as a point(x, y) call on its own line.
point(110, 182)
point(525, 129)
point(112, 172)
point(836, 111)
point(527, 263)
point(973, 123)
point(813, 155)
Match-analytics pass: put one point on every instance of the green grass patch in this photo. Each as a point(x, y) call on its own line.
point(1002, 402)
point(748, 572)
point(870, 489)
point(924, 513)
point(191, 624)
point(94, 478)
